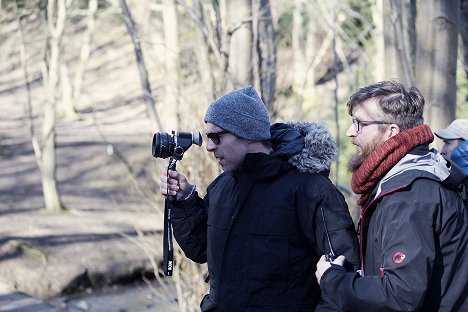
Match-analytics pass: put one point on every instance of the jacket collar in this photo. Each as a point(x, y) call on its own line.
point(307, 146)
point(419, 163)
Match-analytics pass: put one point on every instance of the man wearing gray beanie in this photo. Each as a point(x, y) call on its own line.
point(242, 113)
point(262, 224)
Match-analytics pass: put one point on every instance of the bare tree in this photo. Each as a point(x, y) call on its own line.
point(464, 33)
point(55, 22)
point(396, 52)
point(437, 30)
point(203, 52)
point(171, 63)
point(85, 52)
point(145, 84)
point(300, 56)
point(239, 21)
point(24, 65)
point(265, 43)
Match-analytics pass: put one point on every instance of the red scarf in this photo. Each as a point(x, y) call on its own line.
point(384, 157)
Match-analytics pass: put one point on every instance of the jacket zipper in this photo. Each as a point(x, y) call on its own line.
point(362, 228)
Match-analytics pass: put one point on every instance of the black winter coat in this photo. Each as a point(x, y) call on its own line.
point(414, 237)
point(261, 232)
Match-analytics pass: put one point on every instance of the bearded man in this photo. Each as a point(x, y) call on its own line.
point(413, 228)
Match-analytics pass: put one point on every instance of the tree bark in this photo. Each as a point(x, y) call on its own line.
point(171, 64)
point(145, 84)
point(203, 55)
point(464, 33)
point(396, 56)
point(66, 109)
point(56, 17)
point(239, 18)
point(298, 46)
point(84, 53)
point(266, 52)
point(437, 29)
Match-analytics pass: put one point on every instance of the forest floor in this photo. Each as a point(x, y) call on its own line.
point(96, 252)
point(110, 235)
point(110, 230)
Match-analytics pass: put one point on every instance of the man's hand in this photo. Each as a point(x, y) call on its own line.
point(323, 265)
point(173, 183)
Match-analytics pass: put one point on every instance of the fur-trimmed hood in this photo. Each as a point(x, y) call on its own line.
point(308, 145)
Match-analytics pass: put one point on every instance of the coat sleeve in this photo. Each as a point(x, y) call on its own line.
point(407, 244)
point(321, 196)
point(189, 219)
point(324, 196)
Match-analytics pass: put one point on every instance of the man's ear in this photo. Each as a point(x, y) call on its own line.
point(394, 130)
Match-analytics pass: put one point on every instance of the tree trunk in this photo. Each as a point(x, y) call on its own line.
point(203, 55)
point(464, 33)
point(171, 64)
point(239, 21)
point(437, 30)
point(378, 35)
point(84, 53)
point(410, 35)
point(298, 46)
point(56, 17)
point(145, 84)
point(396, 52)
point(266, 52)
point(66, 110)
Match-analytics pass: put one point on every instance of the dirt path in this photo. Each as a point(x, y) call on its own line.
point(99, 240)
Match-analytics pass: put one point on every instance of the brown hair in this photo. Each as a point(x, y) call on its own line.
point(399, 105)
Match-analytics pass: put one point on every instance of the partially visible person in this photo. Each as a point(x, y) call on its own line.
point(414, 214)
point(455, 138)
point(259, 226)
point(460, 155)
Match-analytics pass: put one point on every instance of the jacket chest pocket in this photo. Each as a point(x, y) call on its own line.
point(269, 222)
point(220, 214)
point(266, 245)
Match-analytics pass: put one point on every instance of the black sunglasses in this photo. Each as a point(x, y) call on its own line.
point(215, 136)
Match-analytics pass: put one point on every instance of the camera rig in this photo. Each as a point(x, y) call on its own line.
point(172, 145)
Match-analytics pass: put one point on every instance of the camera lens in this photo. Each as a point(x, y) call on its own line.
point(162, 145)
point(174, 145)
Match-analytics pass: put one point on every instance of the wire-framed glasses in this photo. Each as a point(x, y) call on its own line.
point(359, 124)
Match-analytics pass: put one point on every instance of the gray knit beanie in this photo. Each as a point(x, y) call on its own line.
point(242, 113)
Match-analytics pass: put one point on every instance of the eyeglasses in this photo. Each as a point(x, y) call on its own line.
point(359, 124)
point(215, 136)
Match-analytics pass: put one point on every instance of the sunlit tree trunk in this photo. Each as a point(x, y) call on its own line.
point(171, 64)
point(239, 22)
point(410, 34)
point(379, 40)
point(145, 84)
point(66, 110)
point(84, 53)
point(203, 54)
point(396, 56)
point(71, 91)
point(56, 17)
point(437, 30)
point(299, 49)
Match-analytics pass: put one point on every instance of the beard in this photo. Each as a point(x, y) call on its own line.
point(358, 159)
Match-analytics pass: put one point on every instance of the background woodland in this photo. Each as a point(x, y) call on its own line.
point(67, 62)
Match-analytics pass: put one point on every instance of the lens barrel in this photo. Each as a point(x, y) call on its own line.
point(174, 144)
point(163, 145)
